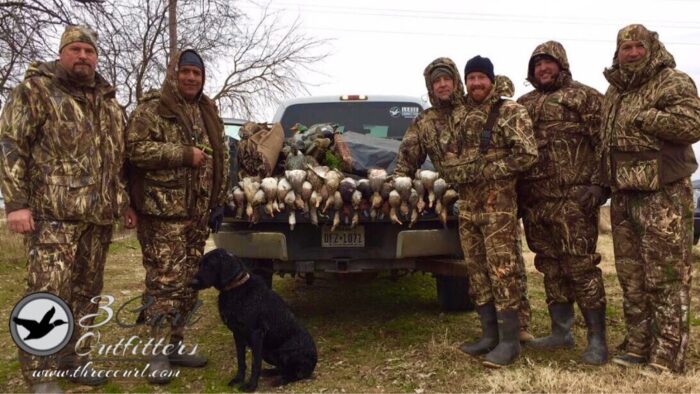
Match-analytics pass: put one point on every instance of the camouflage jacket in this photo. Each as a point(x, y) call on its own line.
point(651, 116)
point(512, 147)
point(435, 131)
point(566, 123)
point(162, 131)
point(62, 148)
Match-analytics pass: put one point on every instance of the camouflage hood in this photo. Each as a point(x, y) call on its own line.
point(54, 71)
point(502, 87)
point(632, 76)
point(556, 51)
point(458, 92)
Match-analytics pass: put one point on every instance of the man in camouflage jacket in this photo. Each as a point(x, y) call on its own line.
point(490, 158)
point(432, 134)
point(560, 198)
point(179, 173)
point(651, 116)
point(61, 157)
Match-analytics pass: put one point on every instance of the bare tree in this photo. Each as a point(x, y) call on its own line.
point(27, 28)
point(250, 63)
point(264, 65)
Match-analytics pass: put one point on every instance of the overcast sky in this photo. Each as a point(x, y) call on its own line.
point(382, 47)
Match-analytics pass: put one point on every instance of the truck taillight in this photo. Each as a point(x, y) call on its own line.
point(351, 97)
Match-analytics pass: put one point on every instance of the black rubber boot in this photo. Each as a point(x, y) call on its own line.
point(508, 347)
point(562, 316)
point(185, 360)
point(489, 332)
point(597, 351)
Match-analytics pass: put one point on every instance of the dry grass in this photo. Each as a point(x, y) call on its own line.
point(380, 336)
point(11, 244)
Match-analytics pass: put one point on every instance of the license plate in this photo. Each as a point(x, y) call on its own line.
point(343, 237)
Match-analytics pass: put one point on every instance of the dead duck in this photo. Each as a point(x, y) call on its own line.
point(338, 207)
point(331, 181)
point(394, 203)
point(258, 200)
point(450, 197)
point(250, 186)
point(239, 198)
point(387, 188)
point(413, 201)
point(269, 187)
point(313, 207)
point(403, 185)
point(289, 200)
point(296, 178)
point(428, 178)
point(366, 191)
point(439, 188)
point(316, 176)
point(283, 187)
point(347, 188)
point(306, 190)
point(356, 202)
point(376, 178)
point(420, 189)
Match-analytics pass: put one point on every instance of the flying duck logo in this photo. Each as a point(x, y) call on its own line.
point(41, 324)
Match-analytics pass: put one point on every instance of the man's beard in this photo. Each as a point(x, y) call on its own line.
point(83, 72)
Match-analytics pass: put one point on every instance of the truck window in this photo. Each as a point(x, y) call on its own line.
point(377, 118)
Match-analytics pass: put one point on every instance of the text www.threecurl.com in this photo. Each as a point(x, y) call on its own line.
point(86, 371)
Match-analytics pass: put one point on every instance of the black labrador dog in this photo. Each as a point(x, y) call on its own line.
point(259, 319)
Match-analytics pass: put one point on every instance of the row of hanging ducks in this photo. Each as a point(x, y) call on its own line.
point(319, 190)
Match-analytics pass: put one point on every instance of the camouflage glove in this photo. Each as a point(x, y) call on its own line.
point(216, 217)
point(591, 197)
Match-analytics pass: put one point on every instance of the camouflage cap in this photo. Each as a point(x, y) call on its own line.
point(78, 34)
point(440, 71)
point(634, 32)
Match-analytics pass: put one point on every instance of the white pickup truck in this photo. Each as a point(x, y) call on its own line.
point(372, 246)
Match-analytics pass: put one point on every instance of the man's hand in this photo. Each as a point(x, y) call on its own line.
point(198, 157)
point(216, 217)
point(591, 197)
point(130, 218)
point(20, 221)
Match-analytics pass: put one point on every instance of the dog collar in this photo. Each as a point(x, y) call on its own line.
point(235, 283)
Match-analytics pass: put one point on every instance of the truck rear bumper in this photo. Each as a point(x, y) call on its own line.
point(412, 243)
point(273, 245)
point(253, 244)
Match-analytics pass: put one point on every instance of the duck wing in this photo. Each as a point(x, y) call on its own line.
point(47, 317)
point(30, 325)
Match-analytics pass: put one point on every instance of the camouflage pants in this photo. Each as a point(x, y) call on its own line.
point(68, 260)
point(563, 236)
point(487, 229)
point(171, 252)
point(652, 237)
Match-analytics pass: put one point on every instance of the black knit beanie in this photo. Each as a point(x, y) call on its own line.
point(480, 64)
point(191, 58)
